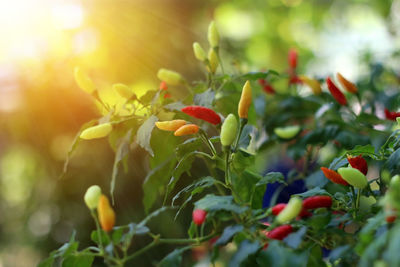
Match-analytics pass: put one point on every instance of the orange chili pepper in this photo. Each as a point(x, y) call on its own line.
point(106, 214)
point(187, 129)
point(245, 101)
point(349, 86)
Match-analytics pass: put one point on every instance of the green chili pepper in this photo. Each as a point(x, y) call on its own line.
point(292, 209)
point(353, 176)
point(229, 130)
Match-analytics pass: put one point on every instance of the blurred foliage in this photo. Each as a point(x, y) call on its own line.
point(41, 108)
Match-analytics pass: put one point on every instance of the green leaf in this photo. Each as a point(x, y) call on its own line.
point(314, 192)
point(367, 150)
point(175, 106)
point(391, 253)
point(188, 146)
point(216, 203)
point(373, 250)
point(228, 234)
point(155, 181)
point(121, 153)
point(246, 248)
point(279, 256)
point(272, 177)
point(143, 135)
point(149, 96)
point(174, 258)
point(241, 160)
point(294, 239)
point(393, 162)
point(105, 240)
point(205, 99)
point(78, 260)
point(253, 76)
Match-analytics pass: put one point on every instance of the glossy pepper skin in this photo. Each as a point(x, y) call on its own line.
point(106, 214)
point(335, 92)
point(292, 209)
point(333, 176)
point(92, 196)
point(292, 58)
point(316, 202)
point(278, 208)
point(170, 125)
point(187, 130)
point(202, 113)
point(170, 77)
point(347, 85)
point(229, 130)
point(358, 163)
point(98, 131)
point(199, 216)
point(245, 101)
point(353, 176)
point(280, 232)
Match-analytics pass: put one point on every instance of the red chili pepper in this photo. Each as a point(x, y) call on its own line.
point(295, 80)
point(316, 202)
point(358, 163)
point(292, 58)
point(335, 92)
point(391, 115)
point(163, 85)
point(333, 176)
point(267, 88)
point(199, 216)
point(278, 208)
point(167, 95)
point(202, 113)
point(280, 232)
point(262, 82)
point(390, 219)
point(304, 213)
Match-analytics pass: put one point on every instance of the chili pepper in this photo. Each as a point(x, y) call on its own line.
point(280, 232)
point(391, 115)
point(278, 208)
point(199, 52)
point(316, 202)
point(292, 209)
point(83, 81)
point(262, 82)
point(294, 79)
point(353, 176)
point(335, 92)
point(213, 61)
point(92, 196)
point(106, 214)
point(333, 176)
point(213, 35)
point(229, 130)
point(287, 132)
point(312, 83)
point(199, 216)
point(269, 89)
point(170, 77)
point(123, 90)
point(97, 131)
point(358, 163)
point(390, 219)
point(292, 58)
point(186, 130)
point(304, 213)
point(163, 86)
point(167, 95)
point(349, 86)
point(202, 113)
point(170, 125)
point(245, 101)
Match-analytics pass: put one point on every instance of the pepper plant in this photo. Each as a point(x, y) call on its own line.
point(335, 204)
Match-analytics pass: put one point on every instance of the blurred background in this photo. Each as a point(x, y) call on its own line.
point(41, 107)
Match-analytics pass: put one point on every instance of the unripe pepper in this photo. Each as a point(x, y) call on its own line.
point(280, 232)
point(92, 196)
point(245, 101)
point(353, 176)
point(199, 52)
point(83, 81)
point(186, 130)
point(170, 77)
point(170, 125)
point(123, 90)
point(199, 216)
point(292, 209)
point(287, 132)
point(106, 214)
point(202, 113)
point(358, 163)
point(333, 176)
point(335, 92)
point(212, 61)
point(316, 202)
point(97, 131)
point(213, 35)
point(229, 130)
point(349, 86)
point(312, 83)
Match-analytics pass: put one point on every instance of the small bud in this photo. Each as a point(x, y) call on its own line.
point(92, 196)
point(170, 77)
point(83, 81)
point(213, 35)
point(199, 52)
point(97, 131)
point(213, 61)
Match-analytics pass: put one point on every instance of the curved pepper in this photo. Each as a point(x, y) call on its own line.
point(170, 125)
point(202, 113)
point(335, 92)
point(245, 101)
point(349, 86)
point(186, 130)
point(358, 163)
point(97, 131)
point(292, 209)
point(316, 202)
point(333, 176)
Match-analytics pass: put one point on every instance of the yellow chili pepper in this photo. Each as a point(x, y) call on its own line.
point(123, 90)
point(213, 61)
point(349, 86)
point(97, 131)
point(213, 35)
point(170, 125)
point(106, 214)
point(187, 129)
point(245, 101)
point(312, 83)
point(83, 81)
point(170, 77)
point(199, 52)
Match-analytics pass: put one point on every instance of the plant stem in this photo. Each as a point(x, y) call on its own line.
point(354, 203)
point(358, 198)
point(204, 137)
point(243, 122)
point(227, 176)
